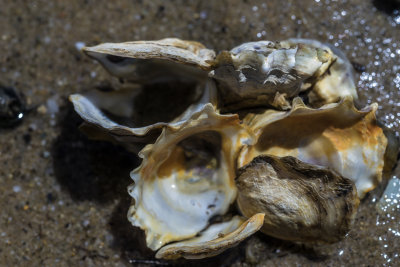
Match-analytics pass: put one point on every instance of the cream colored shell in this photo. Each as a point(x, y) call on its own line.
point(143, 66)
point(137, 61)
point(214, 240)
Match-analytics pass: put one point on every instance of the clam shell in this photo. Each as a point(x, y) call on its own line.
point(301, 202)
point(337, 136)
point(214, 240)
point(186, 177)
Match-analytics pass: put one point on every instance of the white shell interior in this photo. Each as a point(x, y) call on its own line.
point(173, 201)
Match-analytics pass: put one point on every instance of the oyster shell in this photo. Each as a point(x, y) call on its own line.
point(165, 82)
point(153, 61)
point(214, 240)
point(173, 74)
point(170, 94)
point(301, 202)
point(337, 136)
point(333, 84)
point(186, 177)
point(110, 115)
point(267, 73)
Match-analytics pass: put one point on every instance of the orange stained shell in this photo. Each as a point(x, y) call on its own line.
point(335, 135)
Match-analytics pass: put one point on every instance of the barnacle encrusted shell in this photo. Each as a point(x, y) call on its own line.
point(267, 73)
point(336, 135)
point(301, 202)
point(336, 82)
point(214, 240)
point(186, 177)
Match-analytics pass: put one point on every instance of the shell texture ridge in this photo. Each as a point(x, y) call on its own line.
point(267, 73)
point(301, 202)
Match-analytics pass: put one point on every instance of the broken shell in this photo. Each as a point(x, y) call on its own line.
point(214, 240)
point(336, 136)
point(267, 73)
point(301, 202)
point(186, 177)
point(334, 83)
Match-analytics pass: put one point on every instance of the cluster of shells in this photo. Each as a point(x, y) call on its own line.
point(264, 136)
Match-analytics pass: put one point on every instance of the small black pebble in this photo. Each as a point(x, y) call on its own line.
point(12, 108)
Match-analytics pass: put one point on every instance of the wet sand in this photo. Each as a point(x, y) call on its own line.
point(63, 197)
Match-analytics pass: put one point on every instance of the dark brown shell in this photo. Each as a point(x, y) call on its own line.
point(301, 202)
